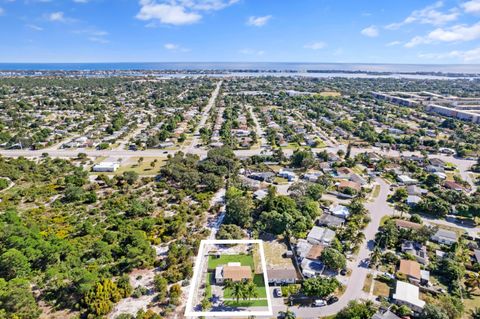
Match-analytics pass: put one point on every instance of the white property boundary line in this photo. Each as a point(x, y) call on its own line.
point(196, 274)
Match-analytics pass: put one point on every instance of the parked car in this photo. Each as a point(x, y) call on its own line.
point(319, 303)
point(332, 299)
point(343, 272)
point(277, 292)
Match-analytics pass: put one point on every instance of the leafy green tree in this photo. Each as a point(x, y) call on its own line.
point(130, 177)
point(431, 311)
point(175, 293)
point(238, 208)
point(100, 300)
point(16, 300)
point(319, 286)
point(13, 264)
point(161, 286)
point(358, 309)
point(333, 259)
point(230, 231)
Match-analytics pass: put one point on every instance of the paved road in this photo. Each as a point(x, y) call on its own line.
point(196, 135)
point(354, 290)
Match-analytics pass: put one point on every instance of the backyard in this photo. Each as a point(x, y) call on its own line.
point(244, 260)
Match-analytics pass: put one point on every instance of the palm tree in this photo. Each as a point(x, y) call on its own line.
point(287, 314)
point(375, 256)
point(237, 289)
point(250, 290)
point(473, 281)
point(475, 313)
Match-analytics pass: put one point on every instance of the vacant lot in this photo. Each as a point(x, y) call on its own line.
point(274, 251)
point(381, 289)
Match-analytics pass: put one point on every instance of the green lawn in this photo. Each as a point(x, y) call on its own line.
point(261, 289)
point(244, 260)
point(208, 286)
point(246, 303)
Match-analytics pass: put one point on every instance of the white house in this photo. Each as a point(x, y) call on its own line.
point(408, 294)
point(320, 236)
point(339, 211)
point(106, 167)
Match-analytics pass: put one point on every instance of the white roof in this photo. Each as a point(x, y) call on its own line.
point(106, 164)
point(408, 293)
point(321, 234)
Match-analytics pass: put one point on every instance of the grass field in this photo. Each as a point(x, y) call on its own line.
point(381, 289)
point(143, 168)
point(368, 283)
point(471, 302)
point(208, 286)
point(259, 282)
point(245, 260)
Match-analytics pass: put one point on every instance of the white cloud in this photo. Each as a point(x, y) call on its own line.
point(428, 15)
point(472, 6)
point(371, 31)
point(57, 17)
point(168, 14)
point(99, 40)
point(468, 56)
point(315, 45)
point(393, 43)
point(170, 46)
point(179, 12)
point(81, 1)
point(2, 11)
point(34, 27)
point(456, 33)
point(258, 21)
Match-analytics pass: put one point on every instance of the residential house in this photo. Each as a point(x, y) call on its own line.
point(444, 236)
point(289, 175)
point(406, 180)
point(330, 220)
point(411, 269)
point(320, 235)
point(282, 276)
point(385, 314)
point(339, 211)
point(453, 186)
point(414, 190)
point(311, 268)
point(417, 250)
point(413, 200)
point(408, 294)
point(232, 271)
point(349, 184)
point(106, 167)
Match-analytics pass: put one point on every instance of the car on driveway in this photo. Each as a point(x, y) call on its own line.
point(277, 292)
point(331, 300)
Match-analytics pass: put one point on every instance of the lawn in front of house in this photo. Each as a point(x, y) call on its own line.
point(258, 281)
point(244, 260)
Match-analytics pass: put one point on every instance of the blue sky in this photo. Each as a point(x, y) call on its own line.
point(369, 31)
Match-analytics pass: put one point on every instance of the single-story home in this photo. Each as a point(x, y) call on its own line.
point(342, 185)
point(106, 167)
point(411, 269)
point(417, 250)
point(408, 294)
point(330, 220)
point(311, 268)
point(444, 236)
point(407, 180)
point(413, 200)
point(320, 235)
point(385, 315)
point(232, 271)
point(282, 276)
point(453, 186)
point(339, 211)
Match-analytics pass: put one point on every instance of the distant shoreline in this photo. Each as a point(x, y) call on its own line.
point(454, 70)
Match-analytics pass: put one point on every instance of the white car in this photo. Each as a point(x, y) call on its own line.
point(319, 303)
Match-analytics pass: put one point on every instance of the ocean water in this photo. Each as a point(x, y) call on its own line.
point(223, 66)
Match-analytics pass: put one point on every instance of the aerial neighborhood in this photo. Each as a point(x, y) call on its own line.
point(364, 193)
